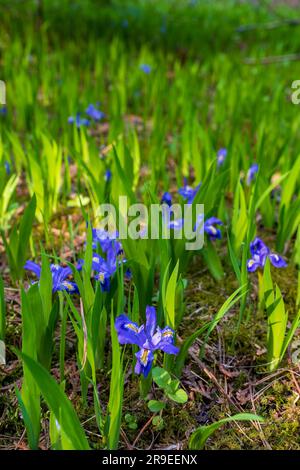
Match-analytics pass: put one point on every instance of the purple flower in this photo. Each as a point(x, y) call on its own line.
point(260, 252)
point(148, 337)
point(128, 274)
point(78, 120)
point(251, 173)
point(166, 199)
point(108, 175)
point(7, 167)
point(188, 193)
point(59, 277)
point(145, 68)
point(94, 113)
point(221, 156)
point(112, 248)
point(105, 268)
point(209, 226)
point(106, 240)
point(3, 110)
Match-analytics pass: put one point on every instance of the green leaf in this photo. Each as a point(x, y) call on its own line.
point(277, 323)
point(269, 190)
point(227, 305)
point(155, 406)
point(45, 287)
point(2, 310)
point(180, 396)
point(212, 260)
point(161, 377)
point(32, 438)
point(169, 297)
point(25, 232)
point(58, 403)
point(234, 260)
point(30, 396)
point(239, 218)
point(200, 436)
point(113, 425)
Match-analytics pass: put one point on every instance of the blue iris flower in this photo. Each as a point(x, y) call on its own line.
point(251, 173)
point(212, 231)
point(105, 269)
point(78, 120)
point(209, 226)
point(94, 113)
point(145, 68)
point(108, 175)
point(106, 240)
point(166, 199)
point(221, 156)
point(260, 252)
point(59, 277)
point(149, 338)
point(188, 193)
point(7, 167)
point(112, 248)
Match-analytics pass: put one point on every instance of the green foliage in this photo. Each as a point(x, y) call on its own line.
point(71, 433)
point(17, 245)
point(170, 387)
point(113, 423)
point(130, 421)
point(278, 336)
point(155, 406)
point(208, 328)
point(7, 189)
point(199, 437)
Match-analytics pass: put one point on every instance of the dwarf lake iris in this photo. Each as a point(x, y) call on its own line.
point(209, 226)
point(94, 113)
point(78, 120)
point(166, 199)
point(188, 193)
point(145, 68)
point(60, 276)
point(149, 337)
point(221, 156)
point(260, 252)
point(251, 173)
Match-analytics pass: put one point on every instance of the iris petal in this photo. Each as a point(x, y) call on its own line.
point(277, 260)
point(150, 320)
point(33, 267)
point(128, 331)
point(252, 265)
